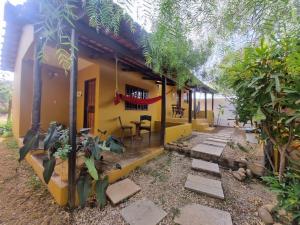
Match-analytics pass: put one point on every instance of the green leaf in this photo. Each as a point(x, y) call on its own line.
point(259, 116)
point(48, 165)
point(101, 186)
point(90, 164)
point(277, 84)
point(52, 136)
point(28, 146)
point(83, 189)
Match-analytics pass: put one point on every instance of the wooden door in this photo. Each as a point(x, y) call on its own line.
point(89, 104)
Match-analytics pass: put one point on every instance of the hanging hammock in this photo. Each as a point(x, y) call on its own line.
point(130, 99)
point(136, 101)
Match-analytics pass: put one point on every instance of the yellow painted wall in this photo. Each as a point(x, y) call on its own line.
point(55, 98)
point(173, 133)
point(106, 112)
point(19, 77)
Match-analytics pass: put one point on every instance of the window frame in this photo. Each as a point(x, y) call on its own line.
point(136, 92)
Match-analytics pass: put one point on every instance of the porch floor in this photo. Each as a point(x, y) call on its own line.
point(134, 151)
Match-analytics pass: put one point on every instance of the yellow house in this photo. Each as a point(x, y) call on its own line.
point(106, 64)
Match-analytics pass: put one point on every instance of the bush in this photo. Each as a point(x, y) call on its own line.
point(6, 129)
point(288, 192)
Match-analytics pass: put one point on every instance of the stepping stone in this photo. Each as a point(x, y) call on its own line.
point(201, 165)
point(121, 190)
point(222, 136)
point(206, 152)
point(143, 212)
point(219, 144)
point(210, 187)
point(217, 140)
point(195, 214)
point(251, 138)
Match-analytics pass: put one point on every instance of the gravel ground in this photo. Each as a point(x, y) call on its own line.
point(162, 181)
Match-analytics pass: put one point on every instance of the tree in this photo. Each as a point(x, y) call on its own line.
point(168, 49)
point(266, 82)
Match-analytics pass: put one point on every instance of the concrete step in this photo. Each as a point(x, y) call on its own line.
point(121, 190)
point(217, 140)
point(214, 143)
point(202, 185)
point(195, 214)
point(207, 152)
point(209, 129)
point(208, 167)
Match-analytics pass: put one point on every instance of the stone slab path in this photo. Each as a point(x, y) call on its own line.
point(196, 214)
point(204, 166)
point(207, 152)
point(143, 212)
point(121, 191)
point(217, 140)
point(219, 144)
point(210, 187)
point(221, 137)
point(250, 137)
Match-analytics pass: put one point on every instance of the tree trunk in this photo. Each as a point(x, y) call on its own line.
point(282, 162)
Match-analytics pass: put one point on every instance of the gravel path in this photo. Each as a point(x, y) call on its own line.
point(162, 181)
point(24, 200)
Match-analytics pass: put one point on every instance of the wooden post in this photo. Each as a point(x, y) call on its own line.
point(205, 104)
point(37, 86)
point(212, 101)
point(195, 105)
point(163, 109)
point(72, 123)
point(190, 105)
point(179, 98)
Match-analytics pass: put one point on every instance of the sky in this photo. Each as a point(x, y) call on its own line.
point(10, 75)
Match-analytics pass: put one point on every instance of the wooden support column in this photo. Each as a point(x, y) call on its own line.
point(205, 104)
point(37, 86)
point(72, 122)
point(190, 105)
point(212, 101)
point(163, 110)
point(195, 105)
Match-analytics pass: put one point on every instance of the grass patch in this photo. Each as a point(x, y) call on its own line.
point(34, 182)
point(11, 143)
point(6, 129)
point(175, 212)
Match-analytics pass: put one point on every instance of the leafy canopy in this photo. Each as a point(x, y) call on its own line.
point(168, 49)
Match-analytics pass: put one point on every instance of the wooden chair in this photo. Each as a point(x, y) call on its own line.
point(147, 128)
point(124, 129)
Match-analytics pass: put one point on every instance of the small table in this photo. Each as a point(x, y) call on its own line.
point(137, 128)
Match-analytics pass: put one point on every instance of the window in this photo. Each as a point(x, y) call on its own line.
point(136, 93)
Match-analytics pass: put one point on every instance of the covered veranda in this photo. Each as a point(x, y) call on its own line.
point(93, 45)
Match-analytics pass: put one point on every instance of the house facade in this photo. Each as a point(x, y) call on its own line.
point(99, 77)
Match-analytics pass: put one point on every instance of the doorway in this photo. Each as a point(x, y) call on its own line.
point(89, 104)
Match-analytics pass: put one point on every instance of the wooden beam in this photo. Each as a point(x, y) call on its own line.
point(205, 104)
point(72, 123)
point(151, 78)
point(212, 101)
point(195, 105)
point(190, 105)
point(105, 40)
point(163, 109)
point(37, 86)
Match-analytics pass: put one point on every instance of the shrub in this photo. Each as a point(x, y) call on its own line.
point(288, 192)
point(6, 129)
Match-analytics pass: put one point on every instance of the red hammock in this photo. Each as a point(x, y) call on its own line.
point(136, 101)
